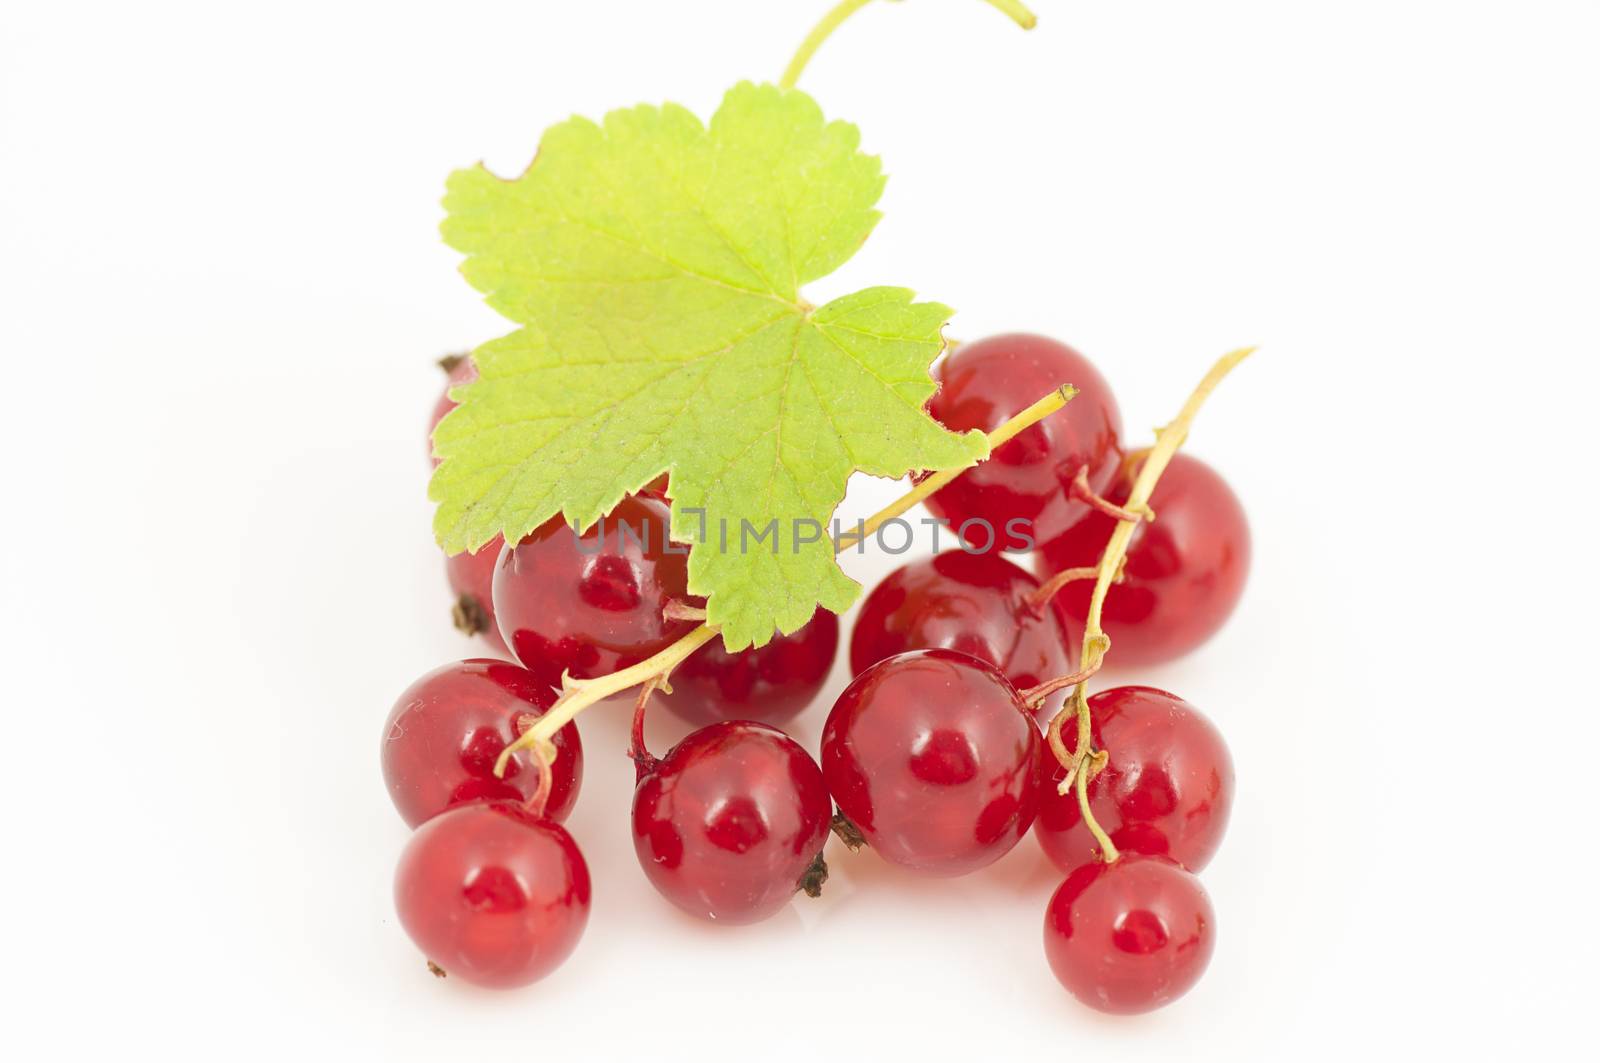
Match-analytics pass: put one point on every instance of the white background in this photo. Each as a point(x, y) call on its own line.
point(221, 294)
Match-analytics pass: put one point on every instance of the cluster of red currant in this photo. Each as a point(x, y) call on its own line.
point(949, 744)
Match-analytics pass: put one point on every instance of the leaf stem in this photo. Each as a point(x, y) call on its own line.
point(579, 694)
point(1095, 641)
point(1012, 9)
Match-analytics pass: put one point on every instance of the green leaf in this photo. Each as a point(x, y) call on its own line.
point(655, 266)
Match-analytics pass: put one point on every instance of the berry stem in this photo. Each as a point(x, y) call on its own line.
point(579, 694)
point(676, 610)
point(819, 33)
point(1004, 434)
point(1016, 12)
point(1084, 772)
point(643, 762)
point(1040, 596)
point(1058, 745)
point(1034, 696)
point(544, 760)
point(1013, 9)
point(1081, 490)
point(1095, 641)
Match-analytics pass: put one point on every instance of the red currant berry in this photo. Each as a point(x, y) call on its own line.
point(1185, 570)
point(772, 682)
point(591, 604)
point(729, 820)
point(446, 731)
point(493, 894)
point(934, 757)
point(461, 370)
point(1166, 791)
point(984, 384)
point(1130, 936)
point(975, 603)
point(471, 577)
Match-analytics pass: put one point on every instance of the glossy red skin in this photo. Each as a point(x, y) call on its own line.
point(595, 608)
point(472, 576)
point(975, 603)
point(1185, 572)
point(446, 731)
point(1131, 936)
point(727, 822)
point(933, 756)
point(771, 683)
point(1166, 791)
point(493, 894)
point(984, 384)
point(465, 372)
